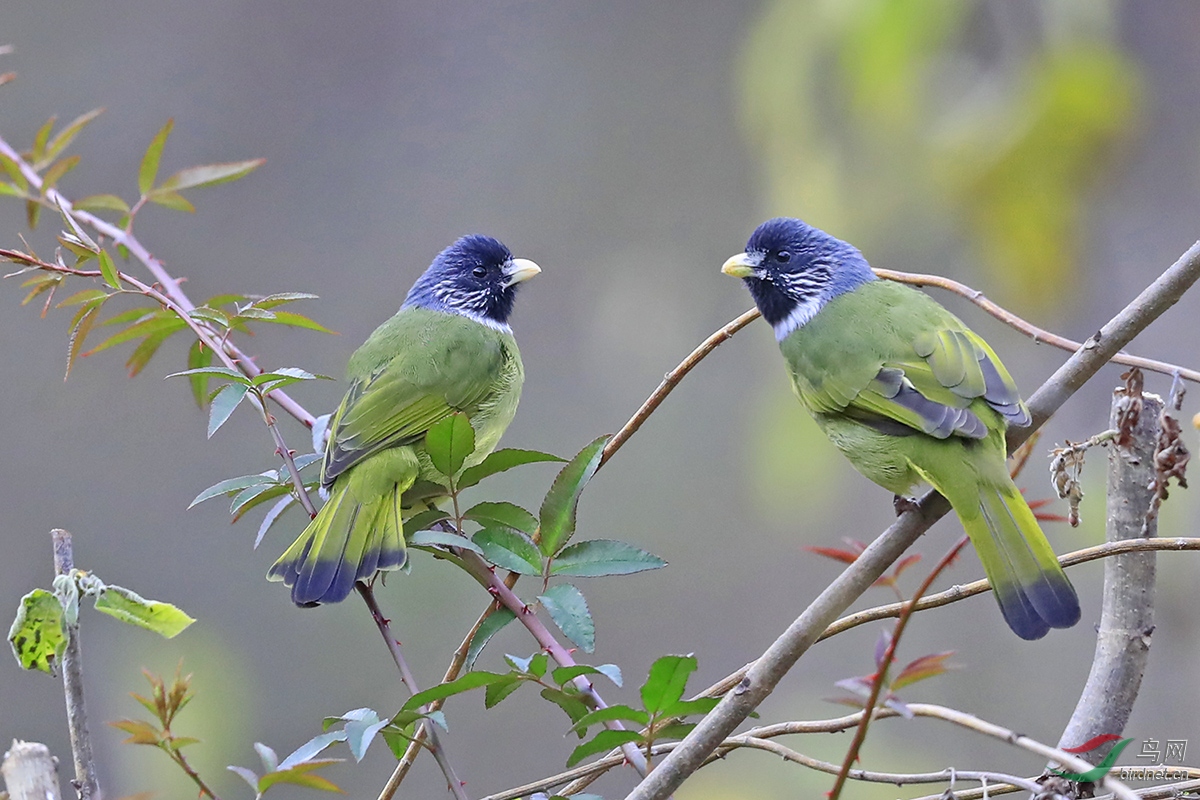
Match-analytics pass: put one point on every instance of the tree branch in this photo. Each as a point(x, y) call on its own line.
point(30, 772)
point(767, 671)
point(436, 747)
point(72, 669)
point(1127, 613)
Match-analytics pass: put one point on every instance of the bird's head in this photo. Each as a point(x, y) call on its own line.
point(476, 277)
point(792, 269)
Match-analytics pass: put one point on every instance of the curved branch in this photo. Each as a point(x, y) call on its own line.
point(770, 668)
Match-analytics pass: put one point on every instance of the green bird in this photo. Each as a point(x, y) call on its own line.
point(909, 394)
point(448, 349)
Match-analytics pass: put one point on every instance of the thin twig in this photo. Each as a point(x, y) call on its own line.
point(860, 733)
point(1039, 335)
point(770, 668)
point(72, 670)
point(439, 751)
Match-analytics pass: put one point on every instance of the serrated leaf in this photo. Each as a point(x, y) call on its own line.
point(492, 625)
point(271, 518)
point(79, 332)
point(617, 712)
point(921, 668)
point(464, 683)
point(299, 775)
point(223, 372)
point(79, 298)
point(199, 357)
point(495, 692)
point(231, 485)
point(56, 171)
point(569, 702)
point(224, 402)
point(602, 742)
point(294, 320)
point(281, 298)
point(501, 461)
point(361, 732)
point(666, 683)
point(441, 538)
point(250, 312)
point(508, 515)
point(145, 351)
point(149, 167)
point(64, 137)
point(563, 674)
point(603, 557)
point(38, 635)
point(128, 606)
point(108, 270)
point(569, 610)
point(210, 174)
point(686, 708)
point(252, 498)
point(171, 200)
point(140, 732)
point(449, 442)
point(101, 202)
point(311, 748)
point(510, 550)
point(157, 322)
point(557, 515)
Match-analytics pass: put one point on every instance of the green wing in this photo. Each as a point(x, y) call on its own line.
point(922, 371)
point(413, 372)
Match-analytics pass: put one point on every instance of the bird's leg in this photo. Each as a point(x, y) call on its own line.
point(902, 504)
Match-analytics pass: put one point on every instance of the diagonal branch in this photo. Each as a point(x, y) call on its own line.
point(770, 668)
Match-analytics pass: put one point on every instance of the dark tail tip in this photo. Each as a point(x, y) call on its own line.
point(1031, 610)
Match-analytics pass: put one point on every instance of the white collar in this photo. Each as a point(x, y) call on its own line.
point(800, 315)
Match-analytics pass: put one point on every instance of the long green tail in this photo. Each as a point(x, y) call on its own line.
point(346, 542)
point(1031, 588)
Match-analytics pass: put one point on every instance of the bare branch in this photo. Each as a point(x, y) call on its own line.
point(1127, 613)
point(72, 670)
point(30, 772)
point(767, 671)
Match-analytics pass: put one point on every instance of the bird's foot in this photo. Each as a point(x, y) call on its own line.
point(902, 504)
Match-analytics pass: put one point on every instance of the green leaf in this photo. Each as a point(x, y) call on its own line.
point(501, 461)
point(492, 625)
point(149, 168)
point(250, 312)
point(569, 611)
point(449, 442)
point(14, 173)
point(86, 320)
point(920, 669)
point(232, 485)
point(127, 606)
point(564, 674)
point(308, 750)
point(442, 539)
point(280, 298)
point(534, 665)
point(360, 733)
point(603, 557)
point(495, 692)
point(210, 175)
point(102, 202)
point(272, 516)
point(199, 357)
point(223, 372)
point(285, 376)
point(9, 190)
point(464, 683)
point(64, 137)
point(171, 200)
point(299, 776)
point(685, 708)
point(425, 520)
point(510, 550)
point(214, 316)
point(57, 171)
point(602, 715)
point(507, 515)
point(108, 270)
point(569, 702)
point(39, 633)
point(253, 496)
point(666, 683)
point(145, 351)
point(41, 138)
point(603, 742)
point(156, 322)
point(294, 320)
point(224, 402)
point(558, 509)
point(79, 298)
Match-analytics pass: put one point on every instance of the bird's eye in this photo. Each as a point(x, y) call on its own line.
point(479, 272)
point(783, 256)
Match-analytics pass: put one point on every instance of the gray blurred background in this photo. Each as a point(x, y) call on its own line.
point(1046, 153)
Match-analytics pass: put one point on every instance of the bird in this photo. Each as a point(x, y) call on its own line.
point(909, 395)
point(448, 349)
